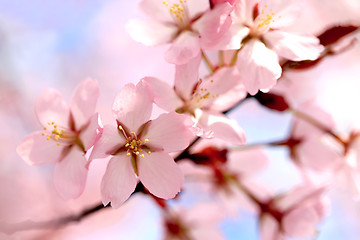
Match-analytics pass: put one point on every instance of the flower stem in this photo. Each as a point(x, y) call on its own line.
point(207, 62)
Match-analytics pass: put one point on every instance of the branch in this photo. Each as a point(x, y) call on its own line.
point(10, 228)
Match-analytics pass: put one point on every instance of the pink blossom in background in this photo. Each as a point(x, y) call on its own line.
point(294, 214)
point(67, 135)
point(139, 148)
point(256, 31)
point(187, 25)
point(199, 222)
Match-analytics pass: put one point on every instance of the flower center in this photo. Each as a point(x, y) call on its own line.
point(134, 145)
point(60, 135)
point(263, 21)
point(179, 12)
point(201, 97)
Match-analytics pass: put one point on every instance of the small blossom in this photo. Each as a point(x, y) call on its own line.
point(139, 148)
point(187, 24)
point(204, 100)
point(256, 31)
point(68, 133)
point(293, 214)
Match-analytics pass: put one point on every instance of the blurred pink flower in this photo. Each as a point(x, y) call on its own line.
point(196, 223)
point(256, 31)
point(139, 147)
point(203, 100)
point(188, 25)
point(68, 133)
point(293, 214)
point(317, 150)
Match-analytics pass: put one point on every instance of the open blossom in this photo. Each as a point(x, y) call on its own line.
point(316, 150)
point(293, 214)
point(199, 222)
point(188, 25)
point(227, 171)
point(139, 147)
point(203, 100)
point(68, 132)
point(256, 31)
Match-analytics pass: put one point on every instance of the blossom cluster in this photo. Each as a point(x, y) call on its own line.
point(152, 154)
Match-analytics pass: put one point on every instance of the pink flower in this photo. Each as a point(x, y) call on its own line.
point(227, 172)
point(256, 32)
point(317, 150)
point(67, 135)
point(188, 24)
point(139, 147)
point(203, 100)
point(293, 214)
point(197, 223)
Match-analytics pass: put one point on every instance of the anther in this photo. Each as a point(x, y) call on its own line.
point(142, 155)
point(149, 152)
point(137, 153)
point(146, 140)
point(128, 154)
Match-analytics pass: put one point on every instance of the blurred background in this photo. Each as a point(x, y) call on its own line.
point(60, 43)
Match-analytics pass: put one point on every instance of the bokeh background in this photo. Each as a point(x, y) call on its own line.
point(59, 43)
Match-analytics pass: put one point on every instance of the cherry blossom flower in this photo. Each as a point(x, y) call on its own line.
point(139, 147)
point(196, 223)
point(256, 31)
point(317, 150)
point(203, 100)
point(293, 214)
point(188, 25)
point(68, 133)
point(226, 173)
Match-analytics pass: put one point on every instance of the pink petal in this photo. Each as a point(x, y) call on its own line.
point(260, 66)
point(249, 161)
point(91, 133)
point(70, 174)
point(186, 77)
point(164, 95)
point(303, 129)
point(150, 33)
point(221, 126)
point(51, 107)
point(299, 196)
point(300, 222)
point(269, 228)
point(133, 105)
point(213, 25)
point(109, 142)
point(285, 12)
point(168, 132)
point(156, 10)
point(217, 87)
point(295, 47)
point(197, 7)
point(160, 175)
point(207, 232)
point(316, 154)
point(185, 47)
point(36, 150)
point(226, 101)
point(84, 100)
point(119, 181)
